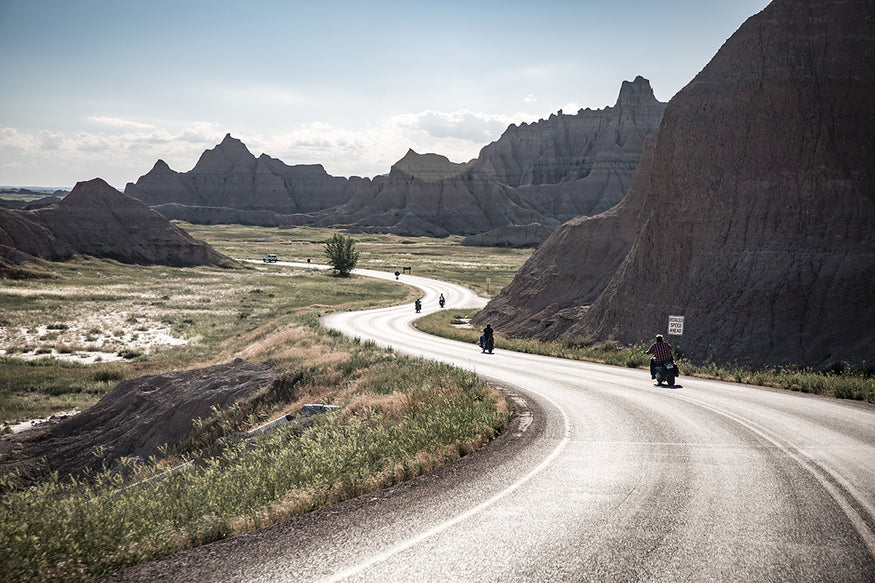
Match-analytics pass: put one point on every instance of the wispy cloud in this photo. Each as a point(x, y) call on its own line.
point(462, 125)
point(117, 122)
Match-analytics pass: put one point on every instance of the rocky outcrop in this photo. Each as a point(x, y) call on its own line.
point(136, 419)
point(573, 165)
point(230, 176)
point(434, 195)
point(96, 219)
point(752, 213)
point(212, 215)
point(513, 236)
point(546, 172)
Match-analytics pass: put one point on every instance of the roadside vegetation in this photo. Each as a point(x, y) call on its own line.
point(838, 383)
point(68, 339)
point(398, 418)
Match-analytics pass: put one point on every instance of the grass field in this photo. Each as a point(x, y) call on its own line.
point(445, 259)
point(69, 339)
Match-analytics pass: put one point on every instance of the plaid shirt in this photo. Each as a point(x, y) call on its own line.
point(660, 350)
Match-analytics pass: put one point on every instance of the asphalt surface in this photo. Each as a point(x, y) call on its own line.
point(603, 476)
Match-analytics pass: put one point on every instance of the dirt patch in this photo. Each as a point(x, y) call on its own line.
point(90, 331)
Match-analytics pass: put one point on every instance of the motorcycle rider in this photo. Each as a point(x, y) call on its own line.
point(486, 340)
point(418, 305)
point(661, 351)
point(441, 300)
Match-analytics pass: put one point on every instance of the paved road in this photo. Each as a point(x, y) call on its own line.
point(602, 477)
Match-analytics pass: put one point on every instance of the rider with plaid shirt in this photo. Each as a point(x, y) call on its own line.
point(661, 351)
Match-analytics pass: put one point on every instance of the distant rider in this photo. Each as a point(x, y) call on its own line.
point(441, 300)
point(486, 340)
point(418, 305)
point(661, 351)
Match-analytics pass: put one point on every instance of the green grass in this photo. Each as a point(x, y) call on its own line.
point(400, 418)
point(443, 259)
point(840, 384)
point(215, 310)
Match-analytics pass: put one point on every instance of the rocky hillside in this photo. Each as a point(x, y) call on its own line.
point(540, 173)
point(752, 212)
point(429, 195)
point(138, 418)
point(230, 176)
point(96, 219)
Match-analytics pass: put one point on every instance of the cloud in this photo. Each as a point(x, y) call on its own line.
point(127, 150)
point(530, 98)
point(55, 158)
point(117, 122)
point(461, 125)
point(51, 140)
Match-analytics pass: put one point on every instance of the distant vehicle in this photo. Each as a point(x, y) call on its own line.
point(270, 258)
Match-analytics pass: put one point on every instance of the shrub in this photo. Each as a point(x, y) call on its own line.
point(341, 254)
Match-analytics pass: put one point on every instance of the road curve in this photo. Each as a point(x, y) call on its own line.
point(602, 477)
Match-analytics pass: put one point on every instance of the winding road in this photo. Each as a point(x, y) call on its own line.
point(602, 476)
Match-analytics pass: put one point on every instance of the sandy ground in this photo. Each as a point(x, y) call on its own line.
point(90, 333)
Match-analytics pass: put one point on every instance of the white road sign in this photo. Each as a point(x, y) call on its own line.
point(676, 325)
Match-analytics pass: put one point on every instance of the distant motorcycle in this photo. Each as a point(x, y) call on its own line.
point(418, 305)
point(441, 301)
point(487, 343)
point(665, 372)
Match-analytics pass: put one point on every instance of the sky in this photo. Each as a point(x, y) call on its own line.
point(105, 88)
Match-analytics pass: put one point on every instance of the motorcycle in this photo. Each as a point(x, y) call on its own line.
point(442, 301)
point(418, 305)
point(665, 372)
point(487, 343)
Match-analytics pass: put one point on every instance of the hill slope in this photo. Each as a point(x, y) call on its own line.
point(752, 212)
point(96, 219)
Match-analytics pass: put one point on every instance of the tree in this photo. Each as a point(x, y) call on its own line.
point(341, 254)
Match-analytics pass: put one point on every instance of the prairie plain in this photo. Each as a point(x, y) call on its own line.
point(68, 338)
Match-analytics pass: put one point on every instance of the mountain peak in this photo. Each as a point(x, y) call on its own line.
point(97, 191)
point(230, 155)
point(161, 167)
point(428, 166)
point(634, 93)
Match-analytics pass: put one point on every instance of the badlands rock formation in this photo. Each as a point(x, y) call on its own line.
point(230, 176)
point(429, 195)
point(96, 219)
point(752, 212)
point(545, 173)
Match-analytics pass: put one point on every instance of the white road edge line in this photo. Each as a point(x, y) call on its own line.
point(437, 529)
point(816, 470)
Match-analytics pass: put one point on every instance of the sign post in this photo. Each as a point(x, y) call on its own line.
point(676, 325)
